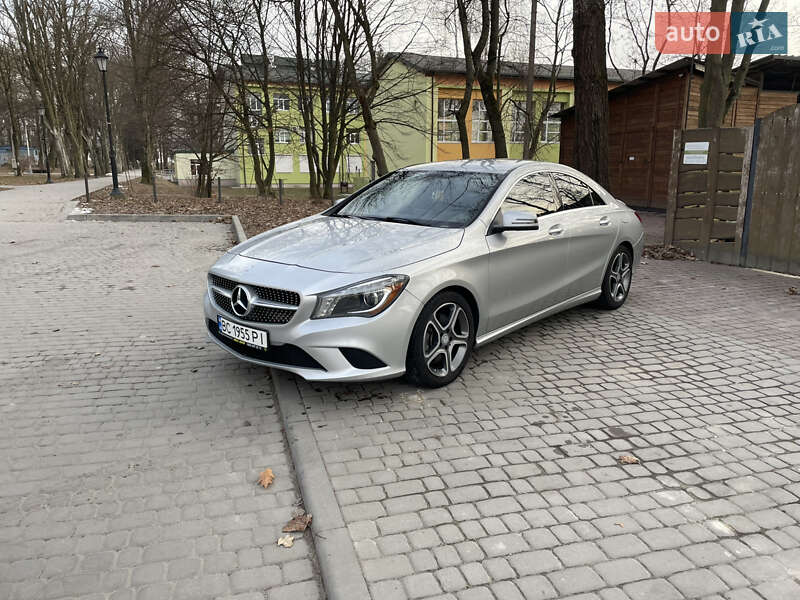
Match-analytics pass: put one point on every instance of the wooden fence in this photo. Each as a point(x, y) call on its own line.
point(734, 193)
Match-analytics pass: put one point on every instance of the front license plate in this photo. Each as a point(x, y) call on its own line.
point(244, 335)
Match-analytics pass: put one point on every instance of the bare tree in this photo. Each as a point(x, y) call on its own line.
point(56, 41)
point(721, 86)
point(226, 36)
point(328, 109)
point(10, 85)
point(364, 28)
point(146, 24)
point(591, 89)
point(530, 78)
point(484, 60)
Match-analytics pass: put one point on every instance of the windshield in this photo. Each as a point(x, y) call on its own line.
point(431, 198)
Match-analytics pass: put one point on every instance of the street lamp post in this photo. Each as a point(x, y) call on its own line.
point(101, 58)
point(44, 144)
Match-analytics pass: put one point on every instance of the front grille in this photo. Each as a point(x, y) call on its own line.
point(259, 314)
point(265, 293)
point(285, 354)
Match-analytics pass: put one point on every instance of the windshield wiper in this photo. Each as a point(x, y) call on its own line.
point(397, 220)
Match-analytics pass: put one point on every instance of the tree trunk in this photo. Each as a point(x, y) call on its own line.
point(591, 89)
point(494, 112)
point(461, 121)
point(371, 129)
point(527, 141)
point(15, 138)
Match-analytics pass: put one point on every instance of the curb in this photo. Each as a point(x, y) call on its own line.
point(238, 230)
point(338, 564)
point(147, 218)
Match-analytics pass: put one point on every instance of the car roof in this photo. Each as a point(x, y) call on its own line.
point(501, 166)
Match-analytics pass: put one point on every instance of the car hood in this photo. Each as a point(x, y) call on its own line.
point(350, 245)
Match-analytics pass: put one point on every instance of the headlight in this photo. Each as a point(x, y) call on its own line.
point(365, 299)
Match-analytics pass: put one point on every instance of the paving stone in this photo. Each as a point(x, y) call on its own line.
point(618, 572)
point(575, 580)
point(421, 585)
point(652, 589)
point(155, 474)
point(696, 583)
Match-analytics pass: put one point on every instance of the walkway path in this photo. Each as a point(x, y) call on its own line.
point(129, 445)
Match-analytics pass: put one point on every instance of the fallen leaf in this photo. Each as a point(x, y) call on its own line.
point(298, 523)
point(792, 291)
point(286, 541)
point(627, 459)
point(266, 478)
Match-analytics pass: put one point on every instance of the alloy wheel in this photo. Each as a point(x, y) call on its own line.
point(619, 278)
point(446, 339)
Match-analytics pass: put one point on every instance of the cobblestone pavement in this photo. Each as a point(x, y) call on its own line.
point(507, 484)
point(129, 445)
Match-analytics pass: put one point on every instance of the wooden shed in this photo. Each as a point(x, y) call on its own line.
point(644, 113)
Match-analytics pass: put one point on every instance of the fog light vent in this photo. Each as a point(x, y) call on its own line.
point(361, 359)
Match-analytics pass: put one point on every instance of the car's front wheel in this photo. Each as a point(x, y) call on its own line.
point(617, 280)
point(442, 340)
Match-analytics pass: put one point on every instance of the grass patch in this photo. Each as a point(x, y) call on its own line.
point(35, 179)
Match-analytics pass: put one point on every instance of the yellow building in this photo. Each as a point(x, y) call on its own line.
point(434, 135)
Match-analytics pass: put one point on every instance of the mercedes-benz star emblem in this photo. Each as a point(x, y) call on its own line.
point(240, 301)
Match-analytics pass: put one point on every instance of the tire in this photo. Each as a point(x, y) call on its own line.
point(442, 341)
point(617, 279)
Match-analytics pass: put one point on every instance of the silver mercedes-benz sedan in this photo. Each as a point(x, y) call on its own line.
point(413, 271)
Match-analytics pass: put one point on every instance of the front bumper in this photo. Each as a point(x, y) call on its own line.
point(313, 348)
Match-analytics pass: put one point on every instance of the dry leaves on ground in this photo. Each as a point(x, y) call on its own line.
point(257, 214)
point(667, 253)
point(266, 478)
point(792, 291)
point(627, 459)
point(298, 523)
point(286, 541)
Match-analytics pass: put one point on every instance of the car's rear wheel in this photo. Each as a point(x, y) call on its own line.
point(442, 340)
point(617, 280)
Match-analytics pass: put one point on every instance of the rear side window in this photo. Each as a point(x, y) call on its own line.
point(574, 193)
point(534, 194)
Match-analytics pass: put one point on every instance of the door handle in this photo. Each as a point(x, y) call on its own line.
point(555, 230)
point(605, 220)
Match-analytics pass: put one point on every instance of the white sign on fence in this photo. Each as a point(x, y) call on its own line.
point(695, 153)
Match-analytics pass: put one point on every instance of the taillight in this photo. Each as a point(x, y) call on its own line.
point(638, 216)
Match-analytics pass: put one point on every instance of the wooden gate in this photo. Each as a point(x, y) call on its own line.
point(708, 192)
point(772, 240)
point(734, 193)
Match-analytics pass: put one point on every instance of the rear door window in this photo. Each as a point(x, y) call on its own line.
point(574, 193)
point(535, 194)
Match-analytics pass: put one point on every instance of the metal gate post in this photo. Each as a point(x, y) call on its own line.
point(749, 202)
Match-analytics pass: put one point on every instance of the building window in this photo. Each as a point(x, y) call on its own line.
point(352, 106)
point(194, 166)
point(283, 136)
point(353, 136)
point(354, 164)
point(447, 127)
point(481, 129)
point(280, 102)
point(551, 127)
point(254, 106)
point(284, 163)
point(260, 146)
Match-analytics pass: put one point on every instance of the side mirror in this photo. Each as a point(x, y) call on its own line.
point(340, 199)
point(515, 220)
